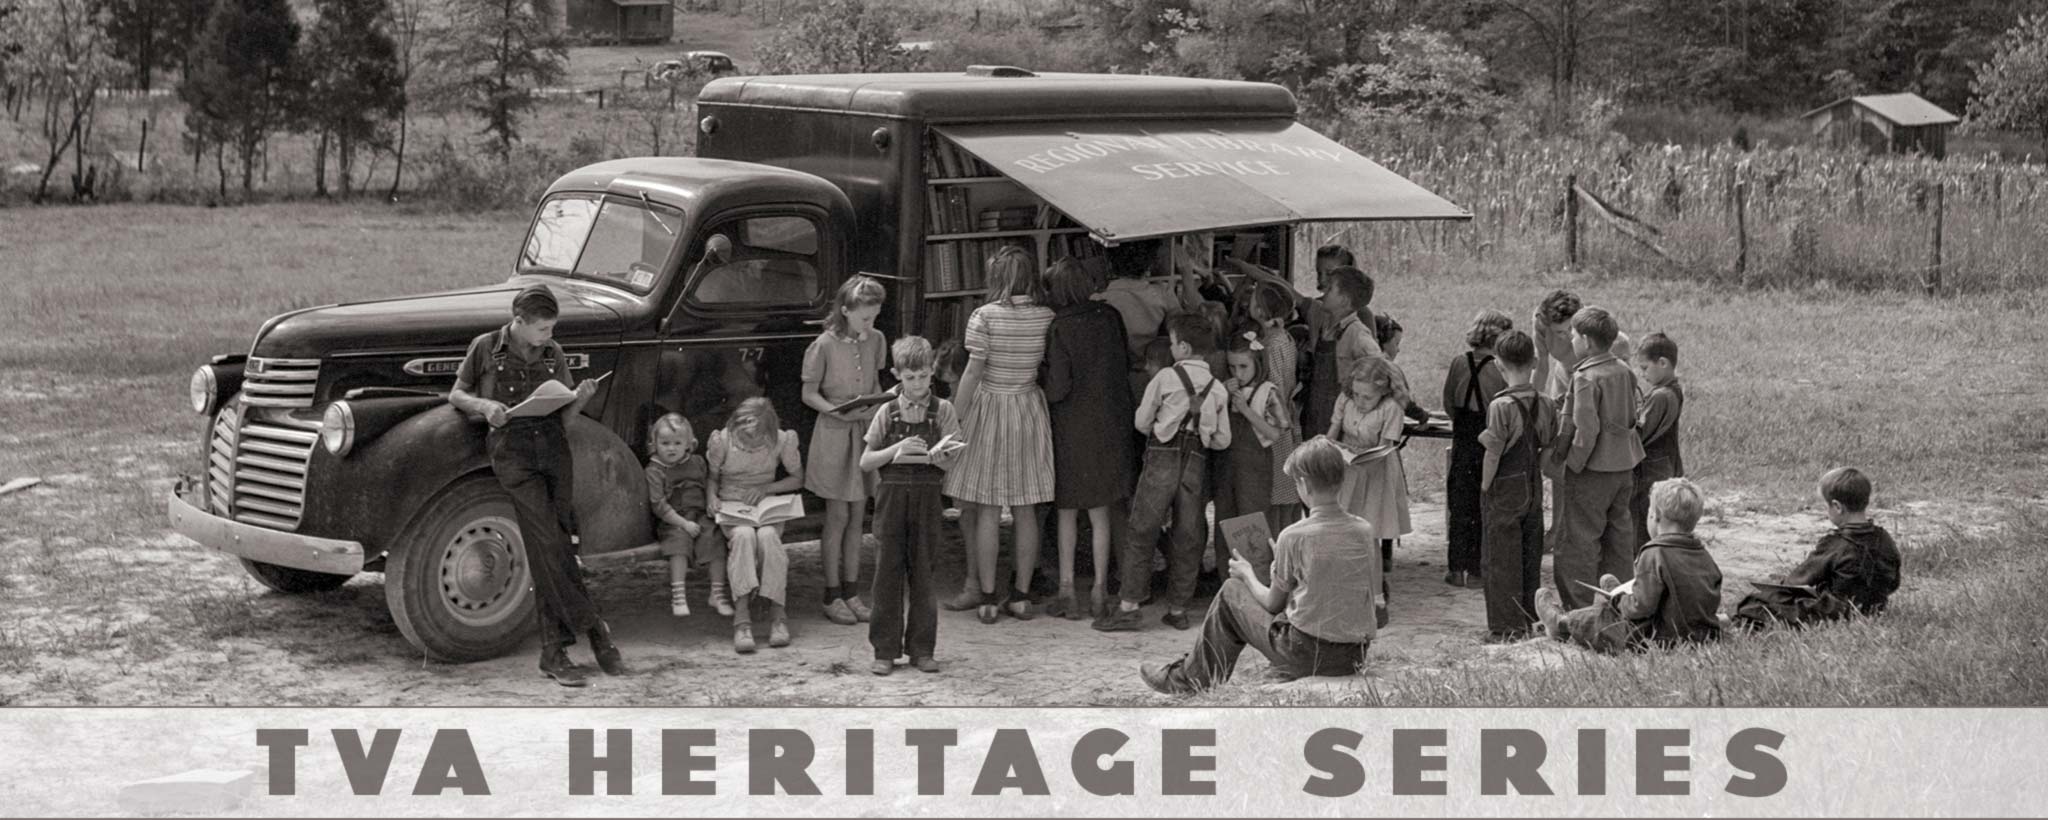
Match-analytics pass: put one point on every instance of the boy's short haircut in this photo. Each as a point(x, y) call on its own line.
point(1597, 325)
point(1678, 502)
point(1339, 253)
point(1658, 346)
point(670, 423)
point(1487, 328)
point(911, 354)
point(1159, 353)
point(1559, 306)
point(1133, 260)
point(1269, 301)
point(1318, 462)
point(1195, 330)
point(1353, 283)
point(1515, 349)
point(536, 302)
point(1846, 486)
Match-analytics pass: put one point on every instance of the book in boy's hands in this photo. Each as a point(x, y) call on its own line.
point(1622, 589)
point(864, 402)
point(946, 446)
point(774, 509)
point(1251, 539)
point(550, 396)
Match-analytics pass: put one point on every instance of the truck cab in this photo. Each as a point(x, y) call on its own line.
point(329, 448)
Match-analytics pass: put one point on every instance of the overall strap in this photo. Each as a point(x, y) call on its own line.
point(1472, 383)
point(1193, 419)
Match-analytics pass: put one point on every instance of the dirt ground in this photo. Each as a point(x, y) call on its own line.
point(200, 632)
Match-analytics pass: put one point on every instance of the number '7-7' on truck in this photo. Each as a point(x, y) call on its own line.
point(329, 449)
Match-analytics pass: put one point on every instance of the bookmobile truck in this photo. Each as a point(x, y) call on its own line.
point(329, 448)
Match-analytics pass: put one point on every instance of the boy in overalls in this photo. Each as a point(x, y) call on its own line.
point(531, 458)
point(1519, 427)
point(1183, 411)
point(908, 509)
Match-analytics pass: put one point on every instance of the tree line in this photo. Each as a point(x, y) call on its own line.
point(249, 70)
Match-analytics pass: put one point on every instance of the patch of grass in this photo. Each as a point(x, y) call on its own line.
point(219, 614)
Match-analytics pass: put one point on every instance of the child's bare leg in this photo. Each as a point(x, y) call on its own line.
point(678, 584)
point(1069, 530)
point(1027, 532)
point(970, 580)
point(830, 542)
point(987, 546)
point(1098, 523)
point(721, 600)
point(849, 547)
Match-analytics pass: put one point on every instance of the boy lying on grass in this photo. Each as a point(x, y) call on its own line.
point(1854, 570)
point(1675, 596)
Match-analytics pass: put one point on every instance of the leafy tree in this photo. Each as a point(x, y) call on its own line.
point(354, 91)
point(411, 30)
point(1927, 46)
point(150, 35)
point(239, 86)
point(1427, 77)
point(495, 53)
point(62, 62)
point(839, 36)
point(2011, 90)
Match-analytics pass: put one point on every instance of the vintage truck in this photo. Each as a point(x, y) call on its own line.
point(329, 449)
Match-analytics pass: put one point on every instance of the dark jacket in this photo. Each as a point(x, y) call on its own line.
point(1677, 595)
point(1085, 374)
point(1854, 569)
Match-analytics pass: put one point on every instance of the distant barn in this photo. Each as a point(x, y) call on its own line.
point(620, 21)
point(1884, 124)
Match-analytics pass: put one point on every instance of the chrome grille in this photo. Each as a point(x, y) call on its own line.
point(279, 382)
point(256, 468)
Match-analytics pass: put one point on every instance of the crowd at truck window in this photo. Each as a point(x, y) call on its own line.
point(773, 263)
point(629, 244)
point(558, 234)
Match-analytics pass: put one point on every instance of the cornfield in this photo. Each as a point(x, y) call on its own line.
point(1812, 215)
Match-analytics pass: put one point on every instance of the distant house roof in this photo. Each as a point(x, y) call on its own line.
point(1902, 109)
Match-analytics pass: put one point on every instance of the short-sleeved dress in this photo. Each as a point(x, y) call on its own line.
point(1008, 460)
point(1379, 491)
point(844, 369)
point(1280, 356)
point(736, 466)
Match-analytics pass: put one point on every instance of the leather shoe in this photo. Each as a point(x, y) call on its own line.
point(1162, 679)
point(882, 667)
point(925, 663)
point(556, 665)
point(607, 653)
point(1120, 620)
point(966, 600)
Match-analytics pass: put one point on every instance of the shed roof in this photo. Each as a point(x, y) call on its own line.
point(1902, 109)
point(962, 97)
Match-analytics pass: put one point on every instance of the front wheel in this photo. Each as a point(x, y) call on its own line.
point(458, 584)
point(292, 581)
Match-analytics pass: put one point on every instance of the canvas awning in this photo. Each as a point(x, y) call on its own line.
point(1135, 179)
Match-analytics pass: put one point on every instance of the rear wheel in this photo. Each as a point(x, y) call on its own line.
point(457, 581)
point(289, 580)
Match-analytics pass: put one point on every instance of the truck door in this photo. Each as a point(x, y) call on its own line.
point(755, 285)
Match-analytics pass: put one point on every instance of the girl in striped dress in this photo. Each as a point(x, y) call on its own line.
point(1008, 460)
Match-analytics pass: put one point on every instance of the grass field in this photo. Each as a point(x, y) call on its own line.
point(110, 308)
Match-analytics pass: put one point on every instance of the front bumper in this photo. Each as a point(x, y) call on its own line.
point(255, 543)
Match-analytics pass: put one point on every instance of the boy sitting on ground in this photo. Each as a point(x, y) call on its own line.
point(1676, 594)
point(1311, 621)
point(1854, 569)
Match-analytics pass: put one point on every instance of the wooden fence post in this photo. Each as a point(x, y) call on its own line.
point(600, 99)
point(1571, 220)
point(1741, 230)
point(1932, 282)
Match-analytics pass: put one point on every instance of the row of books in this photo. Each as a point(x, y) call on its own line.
point(948, 161)
point(952, 211)
point(959, 265)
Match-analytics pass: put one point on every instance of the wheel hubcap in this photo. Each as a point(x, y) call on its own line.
point(483, 571)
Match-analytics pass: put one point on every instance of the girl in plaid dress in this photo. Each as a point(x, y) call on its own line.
point(1008, 460)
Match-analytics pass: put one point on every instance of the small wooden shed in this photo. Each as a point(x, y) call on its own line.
point(621, 21)
point(1884, 124)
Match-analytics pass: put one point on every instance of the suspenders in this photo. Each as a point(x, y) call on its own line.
point(1191, 424)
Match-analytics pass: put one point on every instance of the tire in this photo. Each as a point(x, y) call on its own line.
point(457, 581)
point(292, 581)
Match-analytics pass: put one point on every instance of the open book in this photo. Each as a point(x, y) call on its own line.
point(1623, 589)
point(550, 396)
point(1367, 455)
point(946, 446)
point(774, 509)
point(864, 402)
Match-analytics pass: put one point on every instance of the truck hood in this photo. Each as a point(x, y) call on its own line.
point(434, 321)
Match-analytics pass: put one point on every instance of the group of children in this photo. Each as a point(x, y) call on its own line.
point(1252, 400)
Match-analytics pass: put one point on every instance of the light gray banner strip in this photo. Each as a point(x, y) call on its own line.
point(1025, 762)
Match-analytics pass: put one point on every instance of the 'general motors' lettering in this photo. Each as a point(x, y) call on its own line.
point(1096, 147)
point(1182, 170)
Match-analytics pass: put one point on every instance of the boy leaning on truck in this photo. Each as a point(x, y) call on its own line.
point(531, 458)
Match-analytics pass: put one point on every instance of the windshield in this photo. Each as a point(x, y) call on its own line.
point(618, 241)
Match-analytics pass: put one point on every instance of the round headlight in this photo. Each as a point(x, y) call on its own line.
point(202, 390)
point(338, 428)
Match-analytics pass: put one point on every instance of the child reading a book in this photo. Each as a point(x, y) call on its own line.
point(743, 458)
point(1310, 620)
point(844, 363)
point(1367, 423)
point(910, 443)
point(1853, 570)
point(1674, 598)
point(677, 479)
